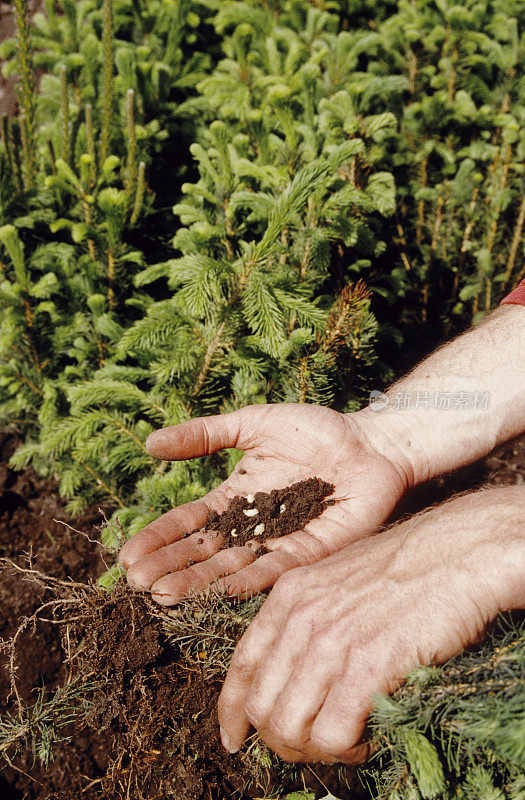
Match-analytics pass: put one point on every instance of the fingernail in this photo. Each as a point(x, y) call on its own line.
point(135, 584)
point(227, 743)
point(147, 442)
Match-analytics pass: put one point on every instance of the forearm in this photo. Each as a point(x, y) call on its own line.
point(458, 404)
point(481, 534)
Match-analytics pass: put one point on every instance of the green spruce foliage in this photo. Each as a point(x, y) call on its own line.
point(333, 161)
point(209, 204)
point(456, 731)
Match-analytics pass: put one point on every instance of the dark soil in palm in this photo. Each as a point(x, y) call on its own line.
point(269, 515)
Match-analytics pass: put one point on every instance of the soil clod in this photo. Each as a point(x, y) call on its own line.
point(266, 515)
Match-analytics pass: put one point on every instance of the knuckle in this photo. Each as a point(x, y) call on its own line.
point(255, 713)
point(288, 585)
point(364, 657)
point(243, 659)
point(312, 550)
point(206, 435)
point(328, 742)
point(281, 588)
point(286, 733)
point(302, 618)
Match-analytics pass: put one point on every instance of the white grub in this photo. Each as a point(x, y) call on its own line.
point(282, 508)
point(234, 533)
point(250, 512)
point(250, 498)
point(258, 529)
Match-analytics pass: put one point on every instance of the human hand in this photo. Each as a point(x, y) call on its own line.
point(332, 635)
point(283, 444)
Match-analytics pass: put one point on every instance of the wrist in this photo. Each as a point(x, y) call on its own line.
point(489, 525)
point(510, 578)
point(393, 436)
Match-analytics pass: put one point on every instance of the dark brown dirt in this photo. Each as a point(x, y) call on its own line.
point(265, 515)
point(29, 506)
point(151, 729)
point(159, 707)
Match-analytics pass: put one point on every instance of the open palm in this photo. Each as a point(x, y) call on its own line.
point(282, 444)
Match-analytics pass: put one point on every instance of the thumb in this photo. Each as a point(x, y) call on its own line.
point(198, 437)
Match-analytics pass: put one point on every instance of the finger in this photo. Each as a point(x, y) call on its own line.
point(168, 528)
point(250, 651)
point(341, 721)
point(272, 676)
point(290, 755)
point(169, 589)
point(356, 755)
point(195, 548)
point(260, 575)
point(199, 437)
point(297, 701)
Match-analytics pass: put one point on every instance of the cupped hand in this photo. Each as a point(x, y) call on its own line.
point(331, 635)
point(282, 444)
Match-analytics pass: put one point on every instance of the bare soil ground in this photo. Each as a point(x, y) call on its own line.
point(151, 729)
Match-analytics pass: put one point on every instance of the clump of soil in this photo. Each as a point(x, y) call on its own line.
point(30, 522)
point(145, 723)
point(152, 681)
point(277, 513)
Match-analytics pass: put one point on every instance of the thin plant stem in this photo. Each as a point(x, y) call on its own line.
point(107, 80)
point(516, 239)
point(64, 106)
point(131, 176)
point(27, 83)
point(90, 136)
point(139, 194)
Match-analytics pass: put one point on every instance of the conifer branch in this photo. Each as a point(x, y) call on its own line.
point(208, 357)
point(465, 240)
point(131, 171)
point(27, 85)
point(123, 429)
point(26, 154)
point(451, 84)
point(111, 277)
point(90, 136)
point(403, 255)
point(412, 70)
point(86, 208)
point(494, 224)
point(421, 203)
point(100, 482)
point(304, 374)
point(8, 146)
point(16, 142)
point(52, 156)
point(433, 247)
point(107, 80)
point(23, 379)
point(30, 335)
